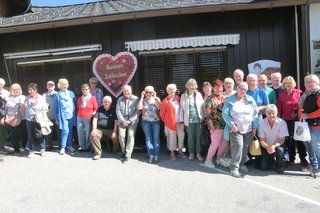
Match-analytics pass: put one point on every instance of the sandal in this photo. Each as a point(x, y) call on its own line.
point(182, 155)
point(173, 157)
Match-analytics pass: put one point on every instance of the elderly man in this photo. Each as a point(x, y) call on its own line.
point(276, 81)
point(50, 98)
point(127, 114)
point(238, 76)
point(104, 126)
point(272, 132)
point(263, 84)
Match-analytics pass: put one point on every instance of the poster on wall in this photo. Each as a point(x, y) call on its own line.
point(316, 56)
point(266, 67)
point(113, 72)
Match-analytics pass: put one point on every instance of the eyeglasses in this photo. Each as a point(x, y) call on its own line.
point(148, 92)
point(85, 89)
point(92, 83)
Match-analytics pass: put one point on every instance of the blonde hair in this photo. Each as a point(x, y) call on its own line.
point(289, 78)
point(85, 86)
point(63, 81)
point(229, 80)
point(15, 86)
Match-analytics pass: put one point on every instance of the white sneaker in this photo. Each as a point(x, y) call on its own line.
point(209, 164)
point(235, 173)
point(30, 155)
point(200, 158)
point(42, 152)
point(62, 151)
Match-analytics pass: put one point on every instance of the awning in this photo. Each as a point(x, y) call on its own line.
point(172, 43)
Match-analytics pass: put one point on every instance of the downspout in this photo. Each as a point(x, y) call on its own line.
point(297, 46)
point(6, 65)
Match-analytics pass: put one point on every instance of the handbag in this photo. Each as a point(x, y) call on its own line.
point(13, 120)
point(254, 147)
point(205, 136)
point(301, 131)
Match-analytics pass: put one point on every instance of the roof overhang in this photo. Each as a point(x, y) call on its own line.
point(156, 13)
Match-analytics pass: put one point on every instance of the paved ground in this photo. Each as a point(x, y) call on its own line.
point(76, 183)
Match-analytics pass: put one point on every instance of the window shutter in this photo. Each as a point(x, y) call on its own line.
point(212, 66)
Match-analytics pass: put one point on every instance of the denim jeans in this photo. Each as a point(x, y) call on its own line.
point(83, 130)
point(315, 143)
point(30, 131)
point(151, 131)
point(66, 133)
point(312, 155)
point(268, 159)
point(239, 144)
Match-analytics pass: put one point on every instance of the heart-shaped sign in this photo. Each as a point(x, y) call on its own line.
point(113, 72)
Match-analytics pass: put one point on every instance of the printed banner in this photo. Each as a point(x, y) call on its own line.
point(113, 72)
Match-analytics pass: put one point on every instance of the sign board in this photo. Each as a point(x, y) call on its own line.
point(113, 72)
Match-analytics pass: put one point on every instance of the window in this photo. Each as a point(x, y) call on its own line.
point(161, 68)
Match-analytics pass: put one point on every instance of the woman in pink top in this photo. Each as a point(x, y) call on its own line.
point(86, 108)
point(287, 106)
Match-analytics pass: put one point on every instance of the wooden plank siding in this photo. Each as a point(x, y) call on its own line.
point(264, 34)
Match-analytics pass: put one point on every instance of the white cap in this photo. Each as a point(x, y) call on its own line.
point(50, 82)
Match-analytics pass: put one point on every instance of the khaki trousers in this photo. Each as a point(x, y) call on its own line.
point(104, 135)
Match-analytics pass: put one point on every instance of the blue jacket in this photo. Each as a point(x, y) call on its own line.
point(59, 110)
point(229, 120)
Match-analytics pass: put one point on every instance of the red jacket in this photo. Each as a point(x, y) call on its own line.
point(287, 103)
point(88, 111)
point(168, 113)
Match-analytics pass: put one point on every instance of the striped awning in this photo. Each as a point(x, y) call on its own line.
point(173, 43)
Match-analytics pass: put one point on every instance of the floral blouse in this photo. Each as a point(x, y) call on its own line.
point(213, 110)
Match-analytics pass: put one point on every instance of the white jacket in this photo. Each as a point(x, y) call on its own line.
point(184, 107)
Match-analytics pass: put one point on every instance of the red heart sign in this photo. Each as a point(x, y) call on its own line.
point(113, 72)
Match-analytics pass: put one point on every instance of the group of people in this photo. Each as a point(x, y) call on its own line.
point(232, 110)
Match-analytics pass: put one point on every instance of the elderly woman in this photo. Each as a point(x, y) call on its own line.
point(242, 123)
point(228, 84)
point(287, 106)
point(66, 115)
point(191, 114)
point(15, 104)
point(95, 91)
point(35, 104)
point(170, 114)
point(3, 94)
point(207, 90)
point(260, 97)
point(86, 108)
point(149, 103)
point(309, 109)
point(213, 114)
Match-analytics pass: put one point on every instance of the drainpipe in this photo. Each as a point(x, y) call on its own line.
point(297, 46)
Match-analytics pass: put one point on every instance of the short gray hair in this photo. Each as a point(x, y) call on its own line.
point(171, 87)
point(271, 107)
point(107, 98)
point(191, 81)
point(312, 77)
point(251, 75)
point(93, 79)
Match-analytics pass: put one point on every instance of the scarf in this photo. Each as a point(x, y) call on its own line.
point(306, 94)
point(84, 100)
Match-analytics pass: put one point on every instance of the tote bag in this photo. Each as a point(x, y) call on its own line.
point(301, 131)
point(254, 147)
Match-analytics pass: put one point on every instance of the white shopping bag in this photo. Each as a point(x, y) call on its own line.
point(301, 131)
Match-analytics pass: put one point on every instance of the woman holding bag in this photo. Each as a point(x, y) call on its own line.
point(309, 110)
point(14, 113)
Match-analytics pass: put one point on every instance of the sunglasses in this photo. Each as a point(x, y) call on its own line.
point(148, 92)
